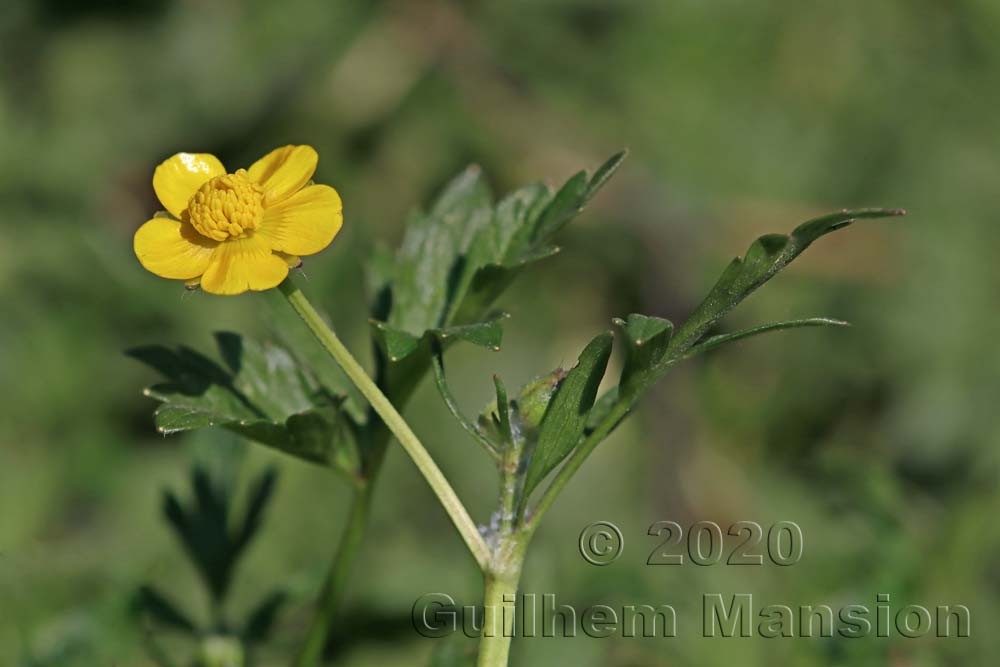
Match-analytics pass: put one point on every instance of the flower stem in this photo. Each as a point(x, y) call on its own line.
point(392, 419)
point(336, 579)
point(499, 601)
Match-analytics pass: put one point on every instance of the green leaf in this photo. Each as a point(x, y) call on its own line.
point(261, 620)
point(504, 427)
point(432, 251)
point(765, 258)
point(456, 259)
point(258, 499)
point(524, 226)
point(150, 601)
point(565, 420)
point(713, 342)
point(398, 344)
point(602, 408)
point(204, 529)
point(646, 342)
point(570, 200)
point(437, 364)
point(260, 392)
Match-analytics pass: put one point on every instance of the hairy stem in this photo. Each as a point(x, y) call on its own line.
point(392, 419)
point(337, 578)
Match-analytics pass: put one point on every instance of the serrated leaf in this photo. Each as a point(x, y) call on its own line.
point(150, 601)
point(260, 392)
point(765, 258)
point(432, 251)
point(525, 224)
point(455, 260)
point(713, 342)
point(646, 342)
point(565, 420)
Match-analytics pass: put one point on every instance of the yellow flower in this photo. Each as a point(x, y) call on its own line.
point(242, 231)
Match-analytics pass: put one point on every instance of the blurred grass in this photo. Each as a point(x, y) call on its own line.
point(881, 441)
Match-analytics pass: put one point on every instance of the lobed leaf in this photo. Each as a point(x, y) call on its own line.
point(204, 528)
point(260, 392)
point(766, 257)
point(456, 260)
point(647, 340)
point(652, 344)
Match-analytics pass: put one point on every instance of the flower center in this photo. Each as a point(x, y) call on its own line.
point(226, 207)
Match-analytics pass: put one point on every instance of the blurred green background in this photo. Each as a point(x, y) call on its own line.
point(742, 118)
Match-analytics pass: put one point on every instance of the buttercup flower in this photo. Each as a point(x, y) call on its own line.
point(236, 232)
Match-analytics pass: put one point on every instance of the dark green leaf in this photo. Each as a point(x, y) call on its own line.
point(713, 342)
point(258, 626)
point(602, 408)
point(205, 530)
point(398, 344)
point(566, 417)
point(204, 537)
point(455, 260)
point(766, 257)
point(150, 601)
point(260, 392)
point(432, 251)
point(437, 364)
point(503, 411)
point(259, 496)
point(646, 343)
point(573, 196)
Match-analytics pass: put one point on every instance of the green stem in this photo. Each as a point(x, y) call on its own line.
point(499, 601)
point(336, 579)
point(393, 420)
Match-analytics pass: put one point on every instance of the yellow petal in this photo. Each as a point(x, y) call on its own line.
point(172, 249)
point(179, 177)
point(305, 223)
point(293, 261)
point(284, 171)
point(238, 265)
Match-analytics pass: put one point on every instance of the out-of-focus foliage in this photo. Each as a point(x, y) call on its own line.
point(214, 542)
point(881, 440)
